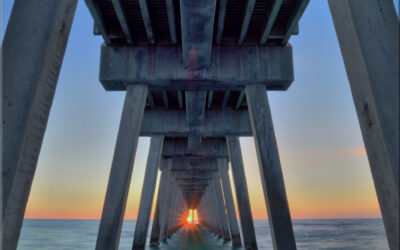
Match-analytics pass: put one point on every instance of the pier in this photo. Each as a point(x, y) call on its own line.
point(196, 75)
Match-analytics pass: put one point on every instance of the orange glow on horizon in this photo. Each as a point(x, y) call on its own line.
point(316, 192)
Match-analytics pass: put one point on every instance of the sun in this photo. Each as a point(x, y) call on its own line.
point(189, 219)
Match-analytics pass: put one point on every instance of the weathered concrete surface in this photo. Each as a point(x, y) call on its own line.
point(197, 23)
point(171, 20)
point(121, 168)
point(242, 195)
point(246, 19)
point(270, 168)
point(161, 68)
point(194, 143)
point(214, 215)
point(165, 190)
point(204, 214)
point(215, 212)
point(216, 185)
point(33, 49)
point(173, 215)
point(172, 189)
point(368, 34)
point(204, 175)
point(156, 228)
point(217, 123)
point(195, 108)
point(193, 164)
point(146, 199)
point(209, 148)
point(230, 206)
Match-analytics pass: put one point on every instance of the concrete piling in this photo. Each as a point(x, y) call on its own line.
point(32, 53)
point(146, 199)
point(121, 168)
point(242, 195)
point(270, 168)
point(230, 206)
point(368, 35)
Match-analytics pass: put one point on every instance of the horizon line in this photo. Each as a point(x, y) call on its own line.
point(316, 218)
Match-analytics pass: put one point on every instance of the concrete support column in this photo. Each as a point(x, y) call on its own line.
point(216, 212)
point(164, 192)
point(221, 207)
point(33, 50)
point(146, 199)
point(121, 168)
point(166, 208)
point(215, 221)
point(203, 216)
point(172, 211)
point(176, 211)
point(207, 212)
point(230, 205)
point(210, 208)
point(170, 208)
point(200, 213)
point(368, 34)
point(270, 167)
point(242, 195)
point(207, 208)
point(180, 209)
point(155, 231)
point(205, 219)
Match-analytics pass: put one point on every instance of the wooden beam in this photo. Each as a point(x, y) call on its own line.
point(171, 20)
point(121, 14)
point(240, 99)
point(246, 20)
point(221, 20)
point(98, 19)
point(295, 16)
point(272, 14)
point(146, 20)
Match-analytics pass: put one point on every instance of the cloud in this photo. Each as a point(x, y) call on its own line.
point(361, 151)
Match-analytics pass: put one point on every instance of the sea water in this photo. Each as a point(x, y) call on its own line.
point(310, 234)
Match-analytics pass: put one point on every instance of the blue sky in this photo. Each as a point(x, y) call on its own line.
point(315, 123)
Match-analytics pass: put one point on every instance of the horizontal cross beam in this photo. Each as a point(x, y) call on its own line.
point(231, 67)
point(209, 148)
point(217, 123)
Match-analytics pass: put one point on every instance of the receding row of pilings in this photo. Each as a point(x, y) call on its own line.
point(267, 151)
point(198, 181)
point(33, 48)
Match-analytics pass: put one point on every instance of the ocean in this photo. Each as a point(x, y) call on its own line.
point(310, 234)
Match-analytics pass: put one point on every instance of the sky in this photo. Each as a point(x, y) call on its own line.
point(325, 167)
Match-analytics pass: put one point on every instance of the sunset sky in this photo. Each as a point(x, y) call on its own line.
point(322, 153)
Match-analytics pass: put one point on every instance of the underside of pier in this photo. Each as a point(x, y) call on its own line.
point(196, 75)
